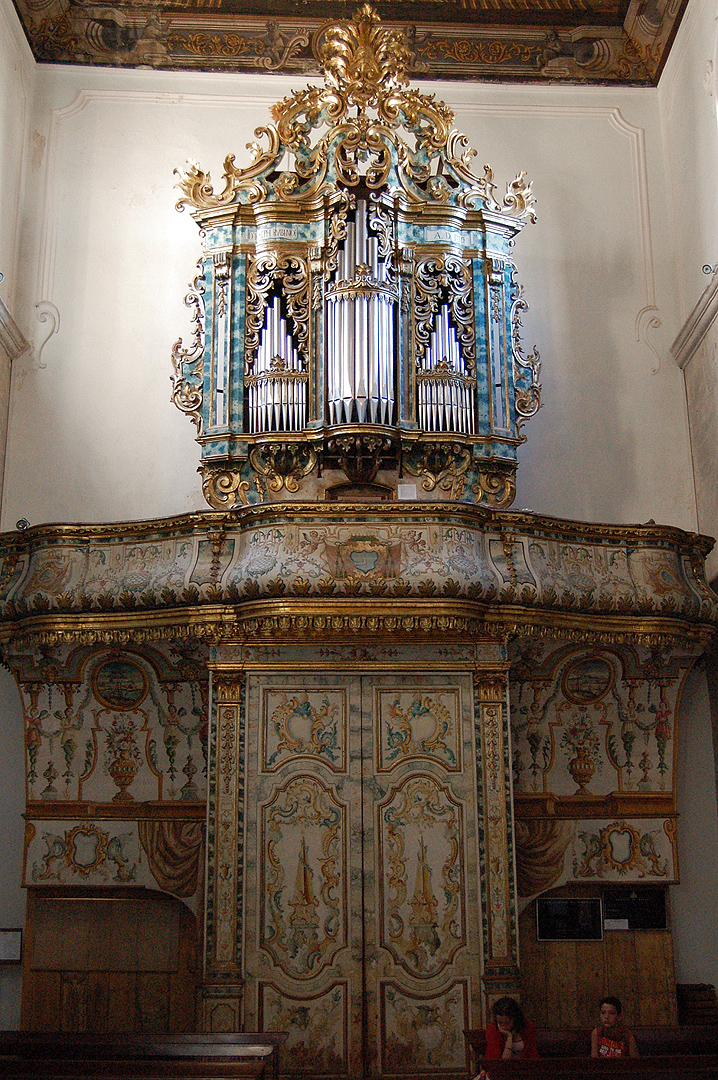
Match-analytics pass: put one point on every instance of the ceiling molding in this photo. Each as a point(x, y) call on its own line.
point(547, 41)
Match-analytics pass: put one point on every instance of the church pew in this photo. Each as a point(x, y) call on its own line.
point(576, 1043)
point(250, 1054)
point(660, 1067)
point(50, 1068)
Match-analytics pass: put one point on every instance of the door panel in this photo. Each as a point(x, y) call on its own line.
point(303, 916)
point(421, 868)
point(361, 899)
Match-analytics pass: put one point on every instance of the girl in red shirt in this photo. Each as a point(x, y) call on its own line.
point(511, 1035)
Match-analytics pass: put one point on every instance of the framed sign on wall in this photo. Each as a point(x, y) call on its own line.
point(10, 945)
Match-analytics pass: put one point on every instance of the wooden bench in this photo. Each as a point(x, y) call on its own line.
point(576, 1043)
point(49, 1068)
point(232, 1054)
point(662, 1067)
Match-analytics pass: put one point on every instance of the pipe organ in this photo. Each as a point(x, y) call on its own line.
point(357, 314)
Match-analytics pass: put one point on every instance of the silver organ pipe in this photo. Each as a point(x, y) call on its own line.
point(445, 385)
point(277, 386)
point(360, 330)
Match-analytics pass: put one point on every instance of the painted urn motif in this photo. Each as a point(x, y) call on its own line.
point(582, 769)
point(123, 756)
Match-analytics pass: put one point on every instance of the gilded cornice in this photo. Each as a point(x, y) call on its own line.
point(202, 521)
point(286, 572)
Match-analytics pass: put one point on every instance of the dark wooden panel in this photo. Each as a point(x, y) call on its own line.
point(123, 960)
point(563, 981)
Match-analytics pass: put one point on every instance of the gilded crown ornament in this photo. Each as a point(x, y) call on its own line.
point(357, 289)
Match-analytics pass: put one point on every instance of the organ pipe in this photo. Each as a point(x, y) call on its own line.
point(278, 387)
point(360, 330)
point(445, 386)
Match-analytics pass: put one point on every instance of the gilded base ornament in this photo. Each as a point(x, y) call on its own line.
point(442, 465)
point(283, 464)
point(496, 484)
point(224, 488)
point(360, 456)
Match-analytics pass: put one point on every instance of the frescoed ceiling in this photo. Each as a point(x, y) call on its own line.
point(575, 41)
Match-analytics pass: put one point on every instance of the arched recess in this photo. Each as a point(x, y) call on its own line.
point(109, 960)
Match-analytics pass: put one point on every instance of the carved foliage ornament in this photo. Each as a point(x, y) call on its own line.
point(365, 68)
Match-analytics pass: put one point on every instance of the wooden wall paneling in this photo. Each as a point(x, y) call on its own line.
point(590, 981)
point(184, 980)
point(121, 960)
point(153, 1001)
point(122, 1000)
point(621, 971)
point(533, 971)
point(560, 982)
point(44, 998)
point(656, 1002)
point(563, 981)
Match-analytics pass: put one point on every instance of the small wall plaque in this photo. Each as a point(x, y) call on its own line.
point(10, 946)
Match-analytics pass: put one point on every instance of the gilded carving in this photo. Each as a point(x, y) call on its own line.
point(188, 363)
point(496, 831)
point(496, 484)
point(369, 229)
point(414, 569)
point(416, 726)
point(283, 464)
point(304, 723)
point(441, 464)
point(290, 275)
point(224, 488)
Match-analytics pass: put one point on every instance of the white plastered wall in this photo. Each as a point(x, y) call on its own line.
point(17, 73)
point(687, 95)
point(687, 99)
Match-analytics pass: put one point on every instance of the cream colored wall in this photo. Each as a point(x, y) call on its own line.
point(17, 73)
point(16, 90)
point(93, 436)
point(687, 100)
point(687, 95)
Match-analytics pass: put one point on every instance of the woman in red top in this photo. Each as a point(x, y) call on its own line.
point(511, 1035)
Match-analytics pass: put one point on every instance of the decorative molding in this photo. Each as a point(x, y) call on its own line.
point(144, 811)
point(697, 325)
point(12, 339)
point(494, 43)
point(529, 807)
point(220, 577)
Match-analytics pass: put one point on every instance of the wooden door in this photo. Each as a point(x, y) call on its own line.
point(362, 922)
